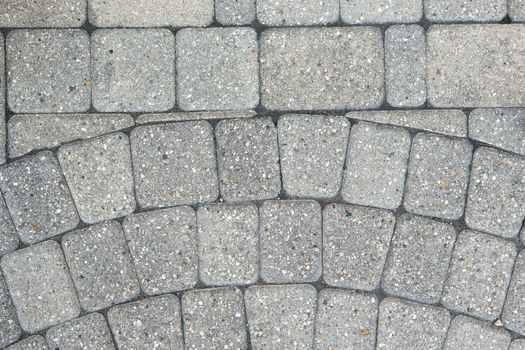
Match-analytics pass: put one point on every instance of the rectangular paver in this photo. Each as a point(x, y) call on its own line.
point(3, 133)
point(381, 11)
point(297, 12)
point(10, 331)
point(467, 333)
point(465, 10)
point(235, 12)
point(8, 238)
point(42, 13)
point(35, 342)
point(513, 316)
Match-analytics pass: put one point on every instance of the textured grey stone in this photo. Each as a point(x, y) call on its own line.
point(345, 320)
point(457, 69)
point(228, 244)
point(513, 316)
point(312, 149)
point(405, 67)
point(466, 333)
point(419, 258)
point(517, 10)
point(376, 165)
point(214, 319)
point(479, 275)
point(133, 70)
point(381, 11)
point(163, 245)
point(9, 328)
point(100, 265)
point(3, 133)
point(322, 68)
point(98, 172)
point(154, 118)
point(40, 286)
point(291, 241)
point(35, 342)
point(217, 69)
point(438, 174)
point(355, 245)
point(465, 10)
point(48, 71)
point(42, 13)
point(281, 316)
point(174, 164)
point(248, 159)
point(8, 237)
point(235, 12)
point(496, 199)
point(37, 197)
point(297, 12)
point(518, 344)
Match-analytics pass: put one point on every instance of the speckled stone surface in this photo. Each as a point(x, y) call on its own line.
point(9, 328)
point(470, 334)
point(518, 344)
point(8, 238)
point(513, 316)
point(465, 10)
point(381, 11)
point(517, 10)
point(235, 12)
point(154, 118)
point(42, 13)
point(297, 12)
point(35, 342)
point(3, 97)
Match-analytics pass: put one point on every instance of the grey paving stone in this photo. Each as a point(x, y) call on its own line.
point(163, 245)
point(513, 316)
point(376, 165)
point(470, 334)
point(517, 10)
point(518, 344)
point(133, 70)
point(322, 68)
point(381, 11)
point(297, 13)
point(479, 275)
point(37, 197)
point(28, 132)
point(419, 258)
point(457, 69)
point(8, 237)
point(345, 320)
point(438, 174)
point(36, 342)
point(496, 199)
point(465, 10)
point(214, 319)
point(174, 164)
point(291, 241)
point(228, 244)
point(248, 159)
point(153, 118)
point(46, 13)
point(407, 325)
point(281, 316)
point(217, 69)
point(3, 133)
point(40, 286)
point(9, 329)
point(153, 323)
point(48, 71)
point(312, 150)
point(355, 245)
point(89, 332)
point(405, 66)
point(235, 12)
point(100, 265)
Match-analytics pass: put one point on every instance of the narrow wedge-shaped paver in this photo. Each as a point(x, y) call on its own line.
point(297, 12)
point(35, 342)
point(8, 238)
point(465, 10)
point(235, 12)
point(467, 333)
point(381, 11)
point(3, 97)
point(157, 118)
point(42, 14)
point(513, 316)
point(10, 330)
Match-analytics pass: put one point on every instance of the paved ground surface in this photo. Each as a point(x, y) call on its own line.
point(232, 174)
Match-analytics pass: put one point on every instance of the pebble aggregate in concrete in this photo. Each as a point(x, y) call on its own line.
point(8, 237)
point(513, 316)
point(465, 10)
point(3, 133)
point(518, 344)
point(9, 328)
point(235, 12)
point(154, 118)
point(297, 12)
point(467, 333)
point(381, 11)
point(42, 13)
point(517, 10)
point(35, 342)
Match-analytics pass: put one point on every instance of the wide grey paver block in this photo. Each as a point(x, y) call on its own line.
point(297, 12)
point(517, 10)
point(419, 258)
point(322, 68)
point(37, 197)
point(376, 165)
point(312, 150)
point(40, 286)
point(513, 316)
point(228, 244)
point(381, 11)
point(156, 118)
point(408, 325)
point(8, 237)
point(345, 320)
point(235, 12)
point(174, 164)
point(133, 70)
point(356, 241)
point(35, 342)
point(43, 13)
point(438, 175)
point(457, 71)
point(153, 323)
point(163, 245)
point(518, 344)
point(281, 316)
point(214, 319)
point(100, 265)
point(465, 10)
point(10, 331)
point(291, 241)
point(48, 71)
point(99, 174)
point(496, 198)
point(217, 69)
point(479, 275)
point(248, 159)
point(470, 334)
point(3, 97)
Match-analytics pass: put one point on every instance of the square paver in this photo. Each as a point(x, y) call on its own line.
point(163, 245)
point(297, 12)
point(8, 237)
point(438, 175)
point(419, 258)
point(42, 13)
point(517, 10)
point(291, 241)
point(470, 334)
point(355, 245)
point(174, 164)
point(479, 275)
point(322, 68)
point(133, 70)
point(465, 10)
point(376, 165)
point(381, 11)
point(217, 69)
point(312, 149)
point(40, 286)
point(37, 197)
point(513, 316)
point(214, 319)
point(235, 12)
point(10, 331)
point(228, 244)
point(248, 159)
point(36, 342)
point(100, 265)
point(98, 172)
point(48, 71)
